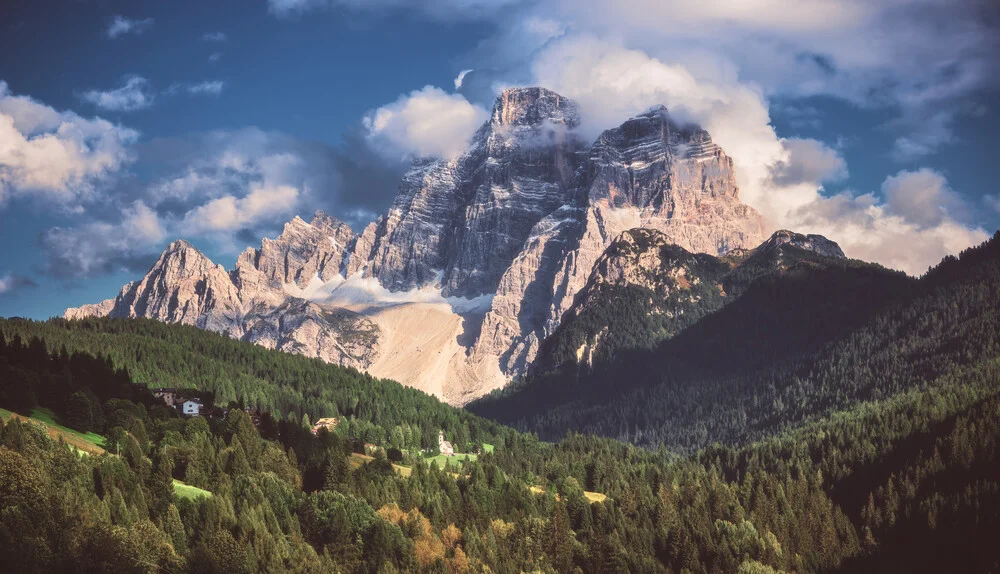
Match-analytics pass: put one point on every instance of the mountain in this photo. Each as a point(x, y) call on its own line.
point(644, 290)
point(877, 452)
point(478, 258)
point(801, 334)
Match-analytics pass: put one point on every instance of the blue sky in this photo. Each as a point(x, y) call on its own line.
point(130, 124)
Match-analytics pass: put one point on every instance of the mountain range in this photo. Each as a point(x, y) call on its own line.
point(480, 257)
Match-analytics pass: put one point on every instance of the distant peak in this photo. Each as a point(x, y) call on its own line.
point(815, 243)
point(532, 106)
point(181, 245)
point(323, 219)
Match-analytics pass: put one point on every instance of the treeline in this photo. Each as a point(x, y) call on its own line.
point(289, 387)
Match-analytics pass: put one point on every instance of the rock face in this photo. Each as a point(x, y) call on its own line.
point(647, 173)
point(516, 223)
point(461, 222)
point(251, 302)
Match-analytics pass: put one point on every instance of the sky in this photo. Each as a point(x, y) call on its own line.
point(127, 124)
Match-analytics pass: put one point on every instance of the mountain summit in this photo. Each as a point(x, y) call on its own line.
point(478, 258)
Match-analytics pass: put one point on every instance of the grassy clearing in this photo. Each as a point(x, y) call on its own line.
point(48, 417)
point(591, 497)
point(88, 443)
point(358, 459)
point(456, 461)
point(487, 447)
point(182, 490)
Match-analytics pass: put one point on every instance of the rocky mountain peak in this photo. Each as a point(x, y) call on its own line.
point(815, 243)
point(532, 106)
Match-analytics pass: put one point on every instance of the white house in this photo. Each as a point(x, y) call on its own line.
point(192, 407)
point(445, 446)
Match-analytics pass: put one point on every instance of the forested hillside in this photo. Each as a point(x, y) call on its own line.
point(790, 349)
point(287, 386)
point(845, 493)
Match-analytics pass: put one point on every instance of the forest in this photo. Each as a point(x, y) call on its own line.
point(849, 491)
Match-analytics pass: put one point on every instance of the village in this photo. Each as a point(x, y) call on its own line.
point(191, 403)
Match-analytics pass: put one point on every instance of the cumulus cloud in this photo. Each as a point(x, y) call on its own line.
point(424, 123)
point(808, 161)
point(215, 37)
point(120, 25)
point(923, 198)
point(58, 155)
point(133, 95)
point(226, 188)
point(873, 54)
point(10, 283)
point(227, 214)
point(869, 229)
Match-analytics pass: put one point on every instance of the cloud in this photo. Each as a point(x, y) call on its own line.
point(208, 87)
point(59, 156)
point(121, 25)
point(10, 283)
point(131, 96)
point(437, 9)
point(215, 56)
point(923, 198)
point(215, 37)
point(460, 78)
point(424, 123)
point(101, 247)
point(873, 54)
point(873, 231)
point(227, 188)
point(992, 201)
point(808, 161)
point(228, 214)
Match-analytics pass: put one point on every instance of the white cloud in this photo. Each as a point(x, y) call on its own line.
point(461, 78)
point(425, 123)
point(132, 95)
point(215, 56)
point(212, 88)
point(873, 54)
point(121, 25)
point(808, 161)
point(922, 198)
point(229, 213)
point(439, 9)
point(59, 155)
point(215, 37)
point(873, 231)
